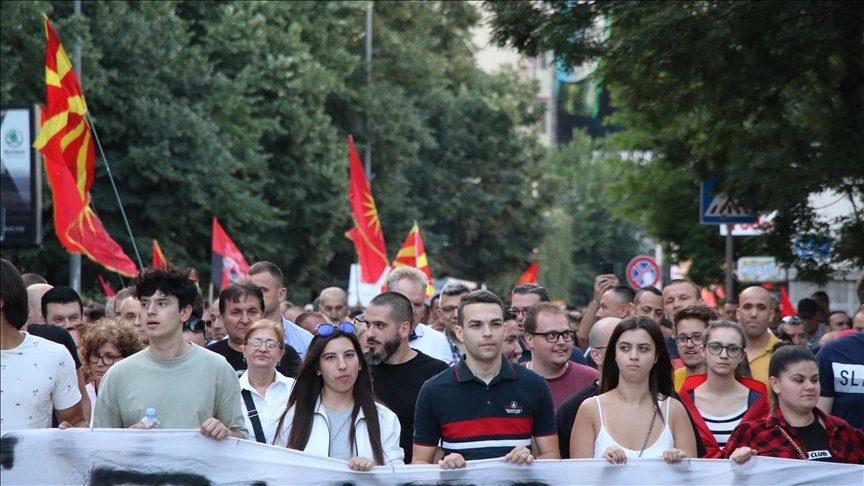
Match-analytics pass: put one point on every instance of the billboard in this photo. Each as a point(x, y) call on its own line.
point(20, 178)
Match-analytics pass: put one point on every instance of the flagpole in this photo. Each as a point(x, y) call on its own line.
point(75, 258)
point(368, 82)
point(114, 185)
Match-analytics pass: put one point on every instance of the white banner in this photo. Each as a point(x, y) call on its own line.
point(182, 457)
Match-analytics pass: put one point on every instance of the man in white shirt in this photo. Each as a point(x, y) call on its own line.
point(38, 377)
point(412, 283)
point(268, 277)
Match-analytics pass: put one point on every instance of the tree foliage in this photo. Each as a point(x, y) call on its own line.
point(241, 110)
point(769, 95)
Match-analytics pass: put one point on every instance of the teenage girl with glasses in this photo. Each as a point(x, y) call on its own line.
point(333, 412)
point(721, 399)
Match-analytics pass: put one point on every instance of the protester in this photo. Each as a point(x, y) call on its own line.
point(448, 303)
point(550, 339)
point(38, 377)
point(730, 310)
point(677, 294)
point(106, 342)
point(795, 329)
point(194, 328)
point(635, 389)
point(268, 277)
point(34, 300)
point(839, 321)
point(435, 321)
point(264, 391)
point(839, 361)
point(689, 324)
point(292, 313)
point(649, 302)
point(332, 410)
point(334, 304)
point(61, 306)
point(398, 371)
point(616, 302)
point(311, 320)
point(721, 399)
point(412, 283)
point(810, 313)
point(241, 304)
point(130, 311)
point(602, 284)
point(216, 328)
point(189, 387)
point(484, 405)
point(796, 428)
point(511, 349)
point(754, 314)
point(523, 297)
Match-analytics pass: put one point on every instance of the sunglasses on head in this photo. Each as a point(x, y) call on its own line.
point(327, 329)
point(196, 325)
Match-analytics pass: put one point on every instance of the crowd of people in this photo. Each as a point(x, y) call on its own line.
point(458, 377)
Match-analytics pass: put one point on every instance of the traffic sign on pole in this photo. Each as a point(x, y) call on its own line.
point(643, 271)
point(716, 208)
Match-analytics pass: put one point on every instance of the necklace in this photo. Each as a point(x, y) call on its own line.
point(650, 429)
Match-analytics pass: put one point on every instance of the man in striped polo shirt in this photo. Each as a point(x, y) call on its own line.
point(484, 407)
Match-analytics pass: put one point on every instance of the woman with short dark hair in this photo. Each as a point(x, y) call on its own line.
point(333, 411)
point(796, 428)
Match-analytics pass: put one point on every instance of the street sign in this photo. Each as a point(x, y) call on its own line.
point(643, 271)
point(718, 208)
point(751, 229)
point(760, 269)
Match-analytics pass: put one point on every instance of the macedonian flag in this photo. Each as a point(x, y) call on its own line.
point(66, 142)
point(367, 235)
point(413, 254)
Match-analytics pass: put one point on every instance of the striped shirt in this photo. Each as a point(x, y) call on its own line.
point(722, 427)
point(483, 421)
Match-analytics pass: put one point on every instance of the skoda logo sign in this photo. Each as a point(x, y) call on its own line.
point(14, 138)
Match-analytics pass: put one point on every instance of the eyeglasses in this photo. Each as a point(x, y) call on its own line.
point(107, 359)
point(360, 318)
point(552, 336)
point(731, 351)
point(448, 309)
point(257, 342)
point(517, 311)
point(196, 325)
point(327, 329)
point(682, 340)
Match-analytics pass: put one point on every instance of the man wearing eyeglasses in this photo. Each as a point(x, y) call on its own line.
point(447, 305)
point(522, 298)
point(550, 339)
point(688, 325)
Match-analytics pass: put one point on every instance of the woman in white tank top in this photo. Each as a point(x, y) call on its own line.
point(633, 416)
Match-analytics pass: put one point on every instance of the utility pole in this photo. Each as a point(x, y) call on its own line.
point(368, 82)
point(729, 263)
point(75, 258)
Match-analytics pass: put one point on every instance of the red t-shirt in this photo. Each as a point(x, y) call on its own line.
point(574, 379)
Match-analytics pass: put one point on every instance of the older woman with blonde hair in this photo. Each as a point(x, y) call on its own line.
point(106, 342)
point(264, 391)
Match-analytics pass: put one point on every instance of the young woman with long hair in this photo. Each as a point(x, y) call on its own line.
point(332, 410)
point(721, 399)
point(796, 429)
point(633, 416)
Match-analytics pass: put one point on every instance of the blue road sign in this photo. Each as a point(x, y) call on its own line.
point(719, 209)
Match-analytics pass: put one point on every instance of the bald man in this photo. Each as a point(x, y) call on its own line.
point(334, 304)
point(34, 300)
point(754, 314)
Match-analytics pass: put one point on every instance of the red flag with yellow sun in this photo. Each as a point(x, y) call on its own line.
point(367, 235)
point(413, 254)
point(66, 142)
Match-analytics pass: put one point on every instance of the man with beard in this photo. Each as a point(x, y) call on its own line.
point(398, 372)
point(754, 314)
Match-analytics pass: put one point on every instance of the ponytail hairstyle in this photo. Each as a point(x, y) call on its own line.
point(783, 357)
point(743, 368)
point(660, 382)
point(307, 390)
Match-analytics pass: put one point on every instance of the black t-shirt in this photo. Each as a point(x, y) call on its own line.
point(287, 366)
point(58, 335)
point(815, 440)
point(565, 416)
point(397, 386)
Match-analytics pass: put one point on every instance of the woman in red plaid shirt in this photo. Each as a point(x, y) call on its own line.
point(796, 429)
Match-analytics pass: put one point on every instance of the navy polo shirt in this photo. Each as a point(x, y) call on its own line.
point(483, 421)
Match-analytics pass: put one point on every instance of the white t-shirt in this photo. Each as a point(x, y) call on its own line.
point(36, 378)
point(432, 343)
point(269, 407)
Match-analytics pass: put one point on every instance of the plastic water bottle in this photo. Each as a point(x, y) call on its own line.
point(150, 419)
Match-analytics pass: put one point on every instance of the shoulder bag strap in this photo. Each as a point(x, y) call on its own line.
point(253, 416)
